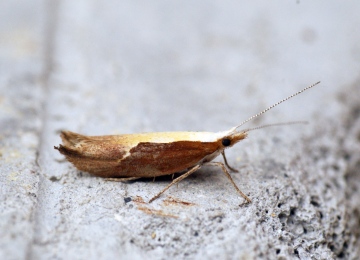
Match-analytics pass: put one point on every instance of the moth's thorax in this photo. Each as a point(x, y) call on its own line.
point(211, 157)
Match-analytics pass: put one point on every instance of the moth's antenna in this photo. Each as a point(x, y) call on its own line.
point(274, 105)
point(276, 124)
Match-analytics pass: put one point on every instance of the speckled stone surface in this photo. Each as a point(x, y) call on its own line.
point(103, 67)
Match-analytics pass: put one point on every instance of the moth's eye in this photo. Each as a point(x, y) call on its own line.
point(226, 142)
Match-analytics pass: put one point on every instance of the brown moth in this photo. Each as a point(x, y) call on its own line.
point(132, 156)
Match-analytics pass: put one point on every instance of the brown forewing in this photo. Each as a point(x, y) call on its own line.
point(146, 159)
point(156, 159)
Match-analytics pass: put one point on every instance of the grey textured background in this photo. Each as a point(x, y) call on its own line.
point(108, 67)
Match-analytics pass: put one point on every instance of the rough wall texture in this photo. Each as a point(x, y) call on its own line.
point(100, 67)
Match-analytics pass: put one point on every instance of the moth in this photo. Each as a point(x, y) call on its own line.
point(129, 157)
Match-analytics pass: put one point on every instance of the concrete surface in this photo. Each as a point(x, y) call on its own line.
point(104, 67)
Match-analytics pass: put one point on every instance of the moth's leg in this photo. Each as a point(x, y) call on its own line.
point(229, 177)
point(193, 169)
point(226, 163)
point(122, 179)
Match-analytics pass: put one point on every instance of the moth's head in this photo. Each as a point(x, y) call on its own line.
point(232, 138)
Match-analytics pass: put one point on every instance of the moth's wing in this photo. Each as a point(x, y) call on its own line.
point(165, 158)
point(71, 139)
point(131, 156)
